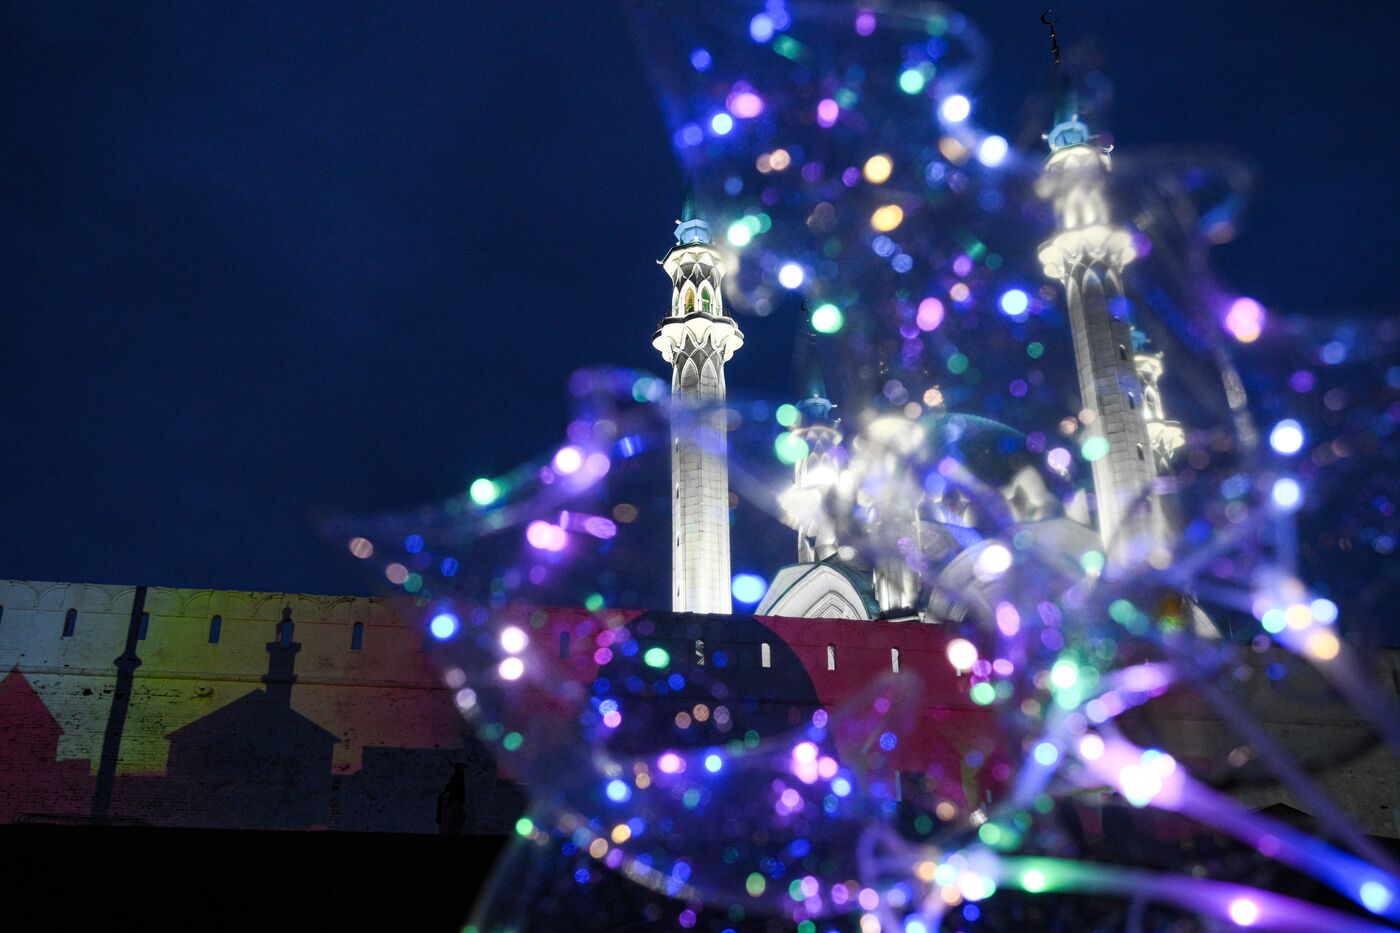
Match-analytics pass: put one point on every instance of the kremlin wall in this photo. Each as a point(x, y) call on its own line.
point(318, 712)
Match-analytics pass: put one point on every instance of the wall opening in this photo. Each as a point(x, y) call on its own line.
point(215, 624)
point(699, 653)
point(894, 660)
point(1122, 352)
point(831, 657)
point(143, 626)
point(765, 655)
point(1141, 455)
point(357, 636)
point(70, 623)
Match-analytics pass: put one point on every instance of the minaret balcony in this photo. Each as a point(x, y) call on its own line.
point(1166, 437)
point(1098, 244)
point(695, 329)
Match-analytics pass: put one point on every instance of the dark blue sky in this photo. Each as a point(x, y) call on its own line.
point(265, 259)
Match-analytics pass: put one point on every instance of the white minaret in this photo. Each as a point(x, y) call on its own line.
point(697, 338)
point(1087, 254)
point(805, 503)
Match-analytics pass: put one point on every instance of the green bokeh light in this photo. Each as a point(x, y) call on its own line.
point(827, 319)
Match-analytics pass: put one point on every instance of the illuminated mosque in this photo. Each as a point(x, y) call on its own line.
point(229, 710)
point(1129, 441)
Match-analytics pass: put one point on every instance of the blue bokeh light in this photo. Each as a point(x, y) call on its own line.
point(444, 625)
point(748, 588)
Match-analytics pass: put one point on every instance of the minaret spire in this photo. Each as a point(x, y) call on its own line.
point(1088, 254)
point(697, 338)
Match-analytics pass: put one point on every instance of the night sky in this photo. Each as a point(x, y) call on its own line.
point(262, 260)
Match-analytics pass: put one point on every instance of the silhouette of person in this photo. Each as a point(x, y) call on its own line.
point(452, 803)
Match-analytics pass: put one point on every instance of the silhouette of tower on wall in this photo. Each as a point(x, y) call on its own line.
point(256, 762)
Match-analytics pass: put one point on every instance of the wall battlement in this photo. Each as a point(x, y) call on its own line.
point(258, 729)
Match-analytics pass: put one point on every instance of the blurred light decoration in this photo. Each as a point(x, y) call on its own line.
point(992, 151)
point(444, 625)
point(827, 319)
point(484, 492)
point(791, 276)
point(962, 485)
point(1287, 437)
point(1014, 302)
point(1245, 320)
point(877, 169)
point(748, 588)
point(955, 108)
point(1286, 493)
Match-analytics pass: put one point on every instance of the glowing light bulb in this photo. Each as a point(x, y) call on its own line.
point(748, 588)
point(721, 124)
point(887, 218)
point(1244, 911)
point(514, 639)
point(1287, 494)
point(827, 319)
point(744, 103)
point(761, 28)
point(483, 491)
point(1375, 896)
point(877, 169)
point(1014, 301)
point(955, 108)
point(1245, 320)
point(568, 460)
point(962, 654)
point(444, 625)
point(1091, 747)
point(511, 668)
point(930, 314)
point(992, 151)
point(791, 276)
point(1287, 437)
point(994, 561)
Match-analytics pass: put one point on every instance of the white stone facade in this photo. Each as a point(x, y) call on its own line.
point(697, 338)
point(1087, 255)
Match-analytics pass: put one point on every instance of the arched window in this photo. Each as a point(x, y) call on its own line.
point(1122, 352)
point(699, 653)
point(1141, 455)
point(831, 657)
point(689, 301)
point(1132, 401)
point(705, 299)
point(215, 624)
point(894, 660)
point(143, 626)
point(70, 623)
point(357, 636)
point(284, 632)
point(765, 655)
